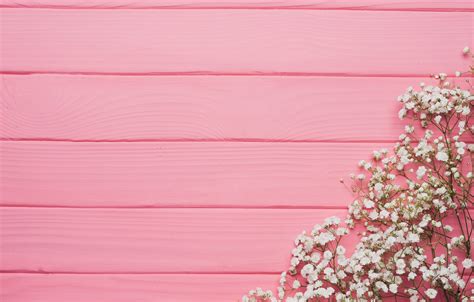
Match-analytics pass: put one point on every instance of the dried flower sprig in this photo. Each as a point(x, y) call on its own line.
point(411, 213)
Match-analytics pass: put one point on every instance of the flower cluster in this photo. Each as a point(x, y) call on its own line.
point(411, 217)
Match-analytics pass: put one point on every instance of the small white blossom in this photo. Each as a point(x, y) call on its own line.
point(467, 263)
point(368, 203)
point(431, 293)
point(466, 50)
point(382, 286)
point(296, 284)
point(420, 172)
point(402, 113)
point(442, 156)
point(393, 288)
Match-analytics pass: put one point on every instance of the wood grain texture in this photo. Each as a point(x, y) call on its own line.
point(436, 5)
point(163, 174)
point(233, 41)
point(152, 240)
point(200, 108)
point(145, 241)
point(129, 288)
point(165, 217)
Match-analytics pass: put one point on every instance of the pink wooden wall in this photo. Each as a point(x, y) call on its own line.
point(170, 150)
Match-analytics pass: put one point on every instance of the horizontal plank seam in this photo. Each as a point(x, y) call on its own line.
point(244, 7)
point(205, 206)
point(192, 140)
point(211, 73)
point(201, 140)
point(41, 272)
point(179, 207)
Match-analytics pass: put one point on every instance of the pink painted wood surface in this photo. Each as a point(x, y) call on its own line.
point(79, 242)
point(233, 41)
point(129, 287)
point(112, 108)
point(152, 240)
point(452, 5)
point(191, 225)
point(163, 174)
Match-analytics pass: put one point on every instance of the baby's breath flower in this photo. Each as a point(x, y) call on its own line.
point(467, 263)
point(408, 244)
point(420, 172)
point(296, 284)
point(442, 156)
point(466, 50)
point(431, 293)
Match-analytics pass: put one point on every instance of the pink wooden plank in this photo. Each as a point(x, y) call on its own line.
point(142, 241)
point(129, 288)
point(163, 174)
point(151, 240)
point(299, 4)
point(233, 41)
point(201, 108)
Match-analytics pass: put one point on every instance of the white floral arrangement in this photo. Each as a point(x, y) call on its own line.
point(411, 215)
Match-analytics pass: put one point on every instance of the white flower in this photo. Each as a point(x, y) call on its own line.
point(333, 220)
point(294, 261)
point(368, 203)
point(402, 113)
point(296, 284)
point(460, 147)
point(431, 293)
point(413, 237)
point(324, 238)
point(324, 292)
point(442, 156)
point(306, 270)
point(465, 111)
point(394, 217)
point(382, 286)
point(315, 257)
point(420, 172)
point(378, 187)
point(340, 250)
point(377, 155)
point(327, 255)
point(373, 215)
point(466, 50)
point(342, 231)
point(400, 263)
point(393, 288)
point(415, 263)
point(467, 263)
